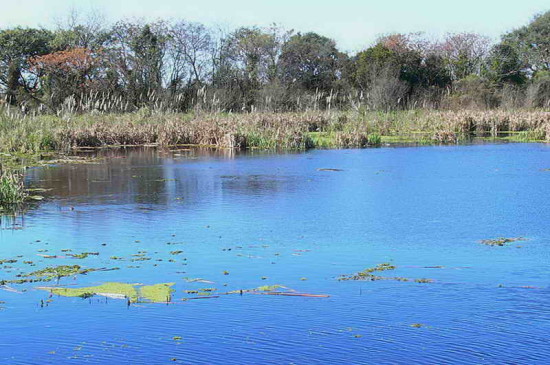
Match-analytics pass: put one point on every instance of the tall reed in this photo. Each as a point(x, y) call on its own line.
point(335, 129)
point(12, 190)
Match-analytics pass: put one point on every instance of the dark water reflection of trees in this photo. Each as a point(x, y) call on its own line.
point(149, 176)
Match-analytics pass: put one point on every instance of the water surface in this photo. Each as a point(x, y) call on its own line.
point(251, 219)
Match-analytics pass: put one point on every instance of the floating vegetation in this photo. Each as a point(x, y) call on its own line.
point(380, 267)
point(83, 255)
point(197, 280)
point(367, 275)
point(423, 281)
point(276, 290)
point(110, 290)
point(141, 259)
point(417, 325)
point(292, 294)
point(7, 261)
point(203, 292)
point(501, 241)
point(57, 272)
point(333, 170)
point(134, 293)
point(157, 293)
point(265, 288)
point(175, 252)
point(53, 273)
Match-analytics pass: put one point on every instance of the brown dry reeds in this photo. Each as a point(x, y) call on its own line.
point(30, 134)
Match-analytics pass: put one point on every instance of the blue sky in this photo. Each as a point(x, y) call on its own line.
point(354, 24)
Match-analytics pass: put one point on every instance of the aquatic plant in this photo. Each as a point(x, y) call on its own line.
point(367, 275)
point(31, 135)
point(156, 293)
point(12, 190)
point(277, 290)
point(374, 139)
point(112, 290)
point(134, 293)
point(501, 241)
point(56, 272)
point(83, 255)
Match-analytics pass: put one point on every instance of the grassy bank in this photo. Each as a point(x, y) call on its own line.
point(34, 135)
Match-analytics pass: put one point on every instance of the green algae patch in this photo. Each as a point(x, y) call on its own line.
point(263, 288)
point(368, 275)
point(134, 293)
point(111, 290)
point(269, 287)
point(83, 255)
point(157, 293)
point(56, 272)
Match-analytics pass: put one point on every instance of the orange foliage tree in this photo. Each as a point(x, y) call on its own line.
point(67, 73)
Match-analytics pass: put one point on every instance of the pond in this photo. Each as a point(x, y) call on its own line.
point(266, 258)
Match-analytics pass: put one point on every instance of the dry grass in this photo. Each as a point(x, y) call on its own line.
point(262, 130)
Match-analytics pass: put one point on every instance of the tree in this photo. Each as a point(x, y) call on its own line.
point(249, 49)
point(190, 47)
point(397, 68)
point(504, 65)
point(370, 62)
point(532, 42)
point(463, 53)
point(138, 52)
point(77, 31)
point(66, 74)
point(247, 61)
point(16, 47)
point(310, 61)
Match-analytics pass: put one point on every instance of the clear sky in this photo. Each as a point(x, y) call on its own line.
point(354, 24)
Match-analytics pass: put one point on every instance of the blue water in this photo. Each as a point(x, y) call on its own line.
point(276, 219)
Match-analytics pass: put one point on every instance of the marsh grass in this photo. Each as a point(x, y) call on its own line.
point(12, 190)
point(32, 135)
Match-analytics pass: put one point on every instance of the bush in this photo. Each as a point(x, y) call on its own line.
point(538, 92)
point(471, 92)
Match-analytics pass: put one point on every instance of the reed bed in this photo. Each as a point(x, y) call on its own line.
point(330, 129)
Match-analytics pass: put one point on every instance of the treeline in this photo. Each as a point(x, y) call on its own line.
point(87, 66)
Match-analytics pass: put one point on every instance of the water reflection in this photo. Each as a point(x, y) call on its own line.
point(151, 176)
